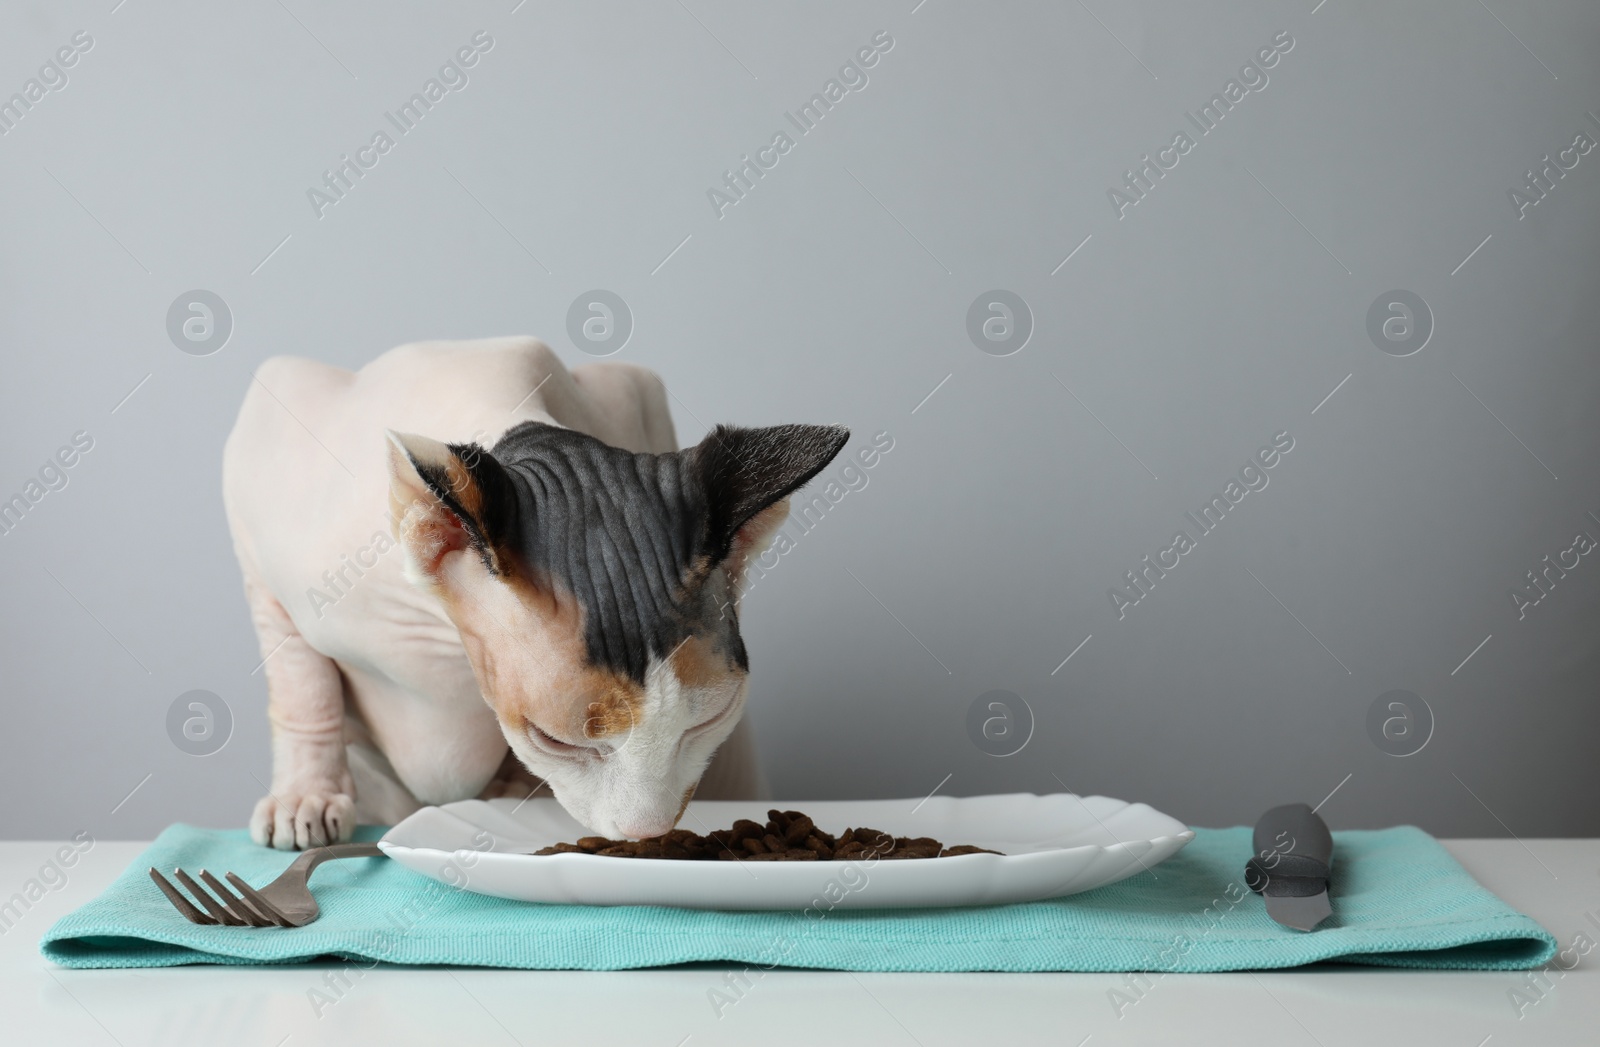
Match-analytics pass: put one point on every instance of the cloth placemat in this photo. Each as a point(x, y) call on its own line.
point(1399, 899)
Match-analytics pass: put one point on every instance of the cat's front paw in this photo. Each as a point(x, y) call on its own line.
point(294, 819)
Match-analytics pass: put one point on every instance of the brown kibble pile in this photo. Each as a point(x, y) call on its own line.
point(788, 836)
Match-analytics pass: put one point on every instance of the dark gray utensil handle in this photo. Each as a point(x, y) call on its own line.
point(1293, 853)
point(312, 857)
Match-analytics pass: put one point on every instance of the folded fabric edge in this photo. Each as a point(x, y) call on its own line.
point(1510, 951)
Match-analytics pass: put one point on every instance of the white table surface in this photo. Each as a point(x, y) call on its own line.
point(1557, 882)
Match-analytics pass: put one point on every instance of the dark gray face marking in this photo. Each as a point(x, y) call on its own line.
point(633, 537)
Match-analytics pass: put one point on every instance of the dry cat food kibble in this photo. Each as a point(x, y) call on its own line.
point(788, 836)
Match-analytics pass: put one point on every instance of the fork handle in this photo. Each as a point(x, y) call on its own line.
point(314, 857)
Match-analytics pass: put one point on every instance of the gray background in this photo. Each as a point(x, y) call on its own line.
point(1222, 309)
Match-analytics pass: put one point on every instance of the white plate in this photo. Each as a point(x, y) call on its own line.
point(1053, 845)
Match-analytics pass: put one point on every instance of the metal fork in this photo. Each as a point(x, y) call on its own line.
point(285, 902)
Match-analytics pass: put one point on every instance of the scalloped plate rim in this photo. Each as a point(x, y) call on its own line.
point(960, 880)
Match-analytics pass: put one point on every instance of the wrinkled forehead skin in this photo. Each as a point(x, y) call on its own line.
point(625, 536)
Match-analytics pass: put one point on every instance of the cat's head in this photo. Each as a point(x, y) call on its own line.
point(595, 591)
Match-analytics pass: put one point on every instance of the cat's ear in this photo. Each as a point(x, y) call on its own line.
point(745, 474)
point(447, 498)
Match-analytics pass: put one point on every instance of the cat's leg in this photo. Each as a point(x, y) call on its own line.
point(312, 799)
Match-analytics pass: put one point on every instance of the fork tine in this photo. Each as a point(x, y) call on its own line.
point(178, 901)
point(233, 903)
point(218, 912)
point(262, 906)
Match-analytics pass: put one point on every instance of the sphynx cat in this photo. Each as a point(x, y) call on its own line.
point(472, 571)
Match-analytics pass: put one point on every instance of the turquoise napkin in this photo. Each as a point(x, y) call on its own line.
point(1399, 899)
